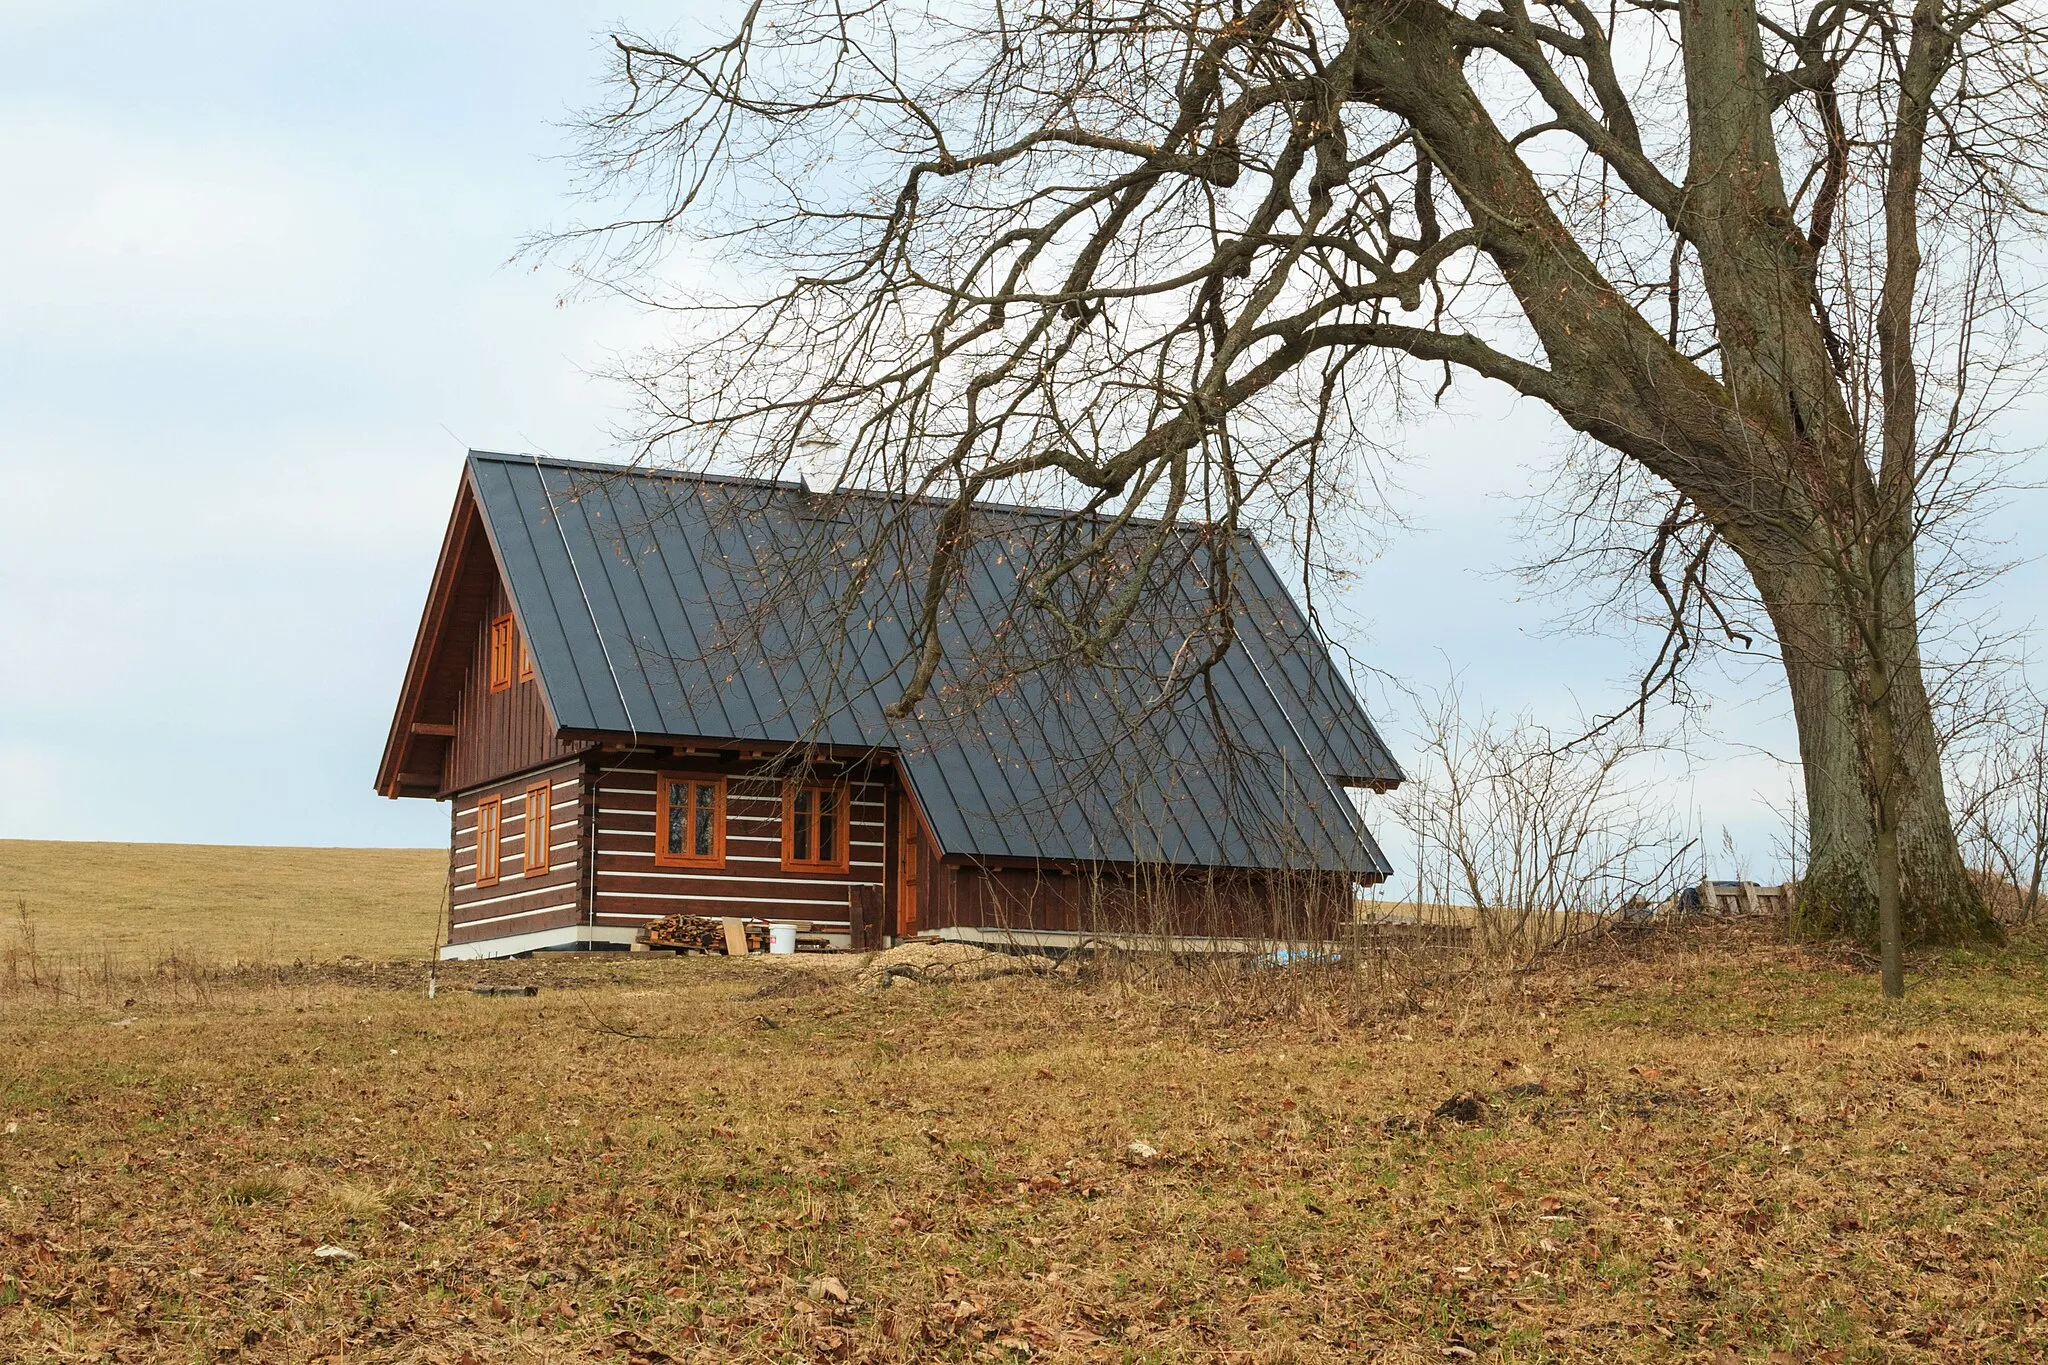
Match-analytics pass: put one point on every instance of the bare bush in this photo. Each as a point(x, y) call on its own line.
point(1999, 767)
point(1535, 841)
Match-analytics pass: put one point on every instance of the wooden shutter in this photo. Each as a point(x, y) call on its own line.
point(501, 653)
point(540, 799)
point(490, 833)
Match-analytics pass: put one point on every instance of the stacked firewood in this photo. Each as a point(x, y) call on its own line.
point(700, 934)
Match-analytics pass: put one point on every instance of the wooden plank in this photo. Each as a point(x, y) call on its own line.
point(623, 871)
point(735, 937)
point(865, 922)
point(640, 918)
point(555, 917)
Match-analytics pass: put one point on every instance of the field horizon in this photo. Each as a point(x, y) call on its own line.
point(134, 902)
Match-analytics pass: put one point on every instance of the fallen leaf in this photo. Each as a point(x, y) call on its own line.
point(827, 1287)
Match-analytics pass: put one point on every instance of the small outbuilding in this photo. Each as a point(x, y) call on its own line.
point(644, 693)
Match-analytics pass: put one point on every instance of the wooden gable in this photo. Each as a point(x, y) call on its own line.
point(460, 722)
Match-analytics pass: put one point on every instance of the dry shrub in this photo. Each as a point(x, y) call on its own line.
point(1997, 775)
point(1528, 838)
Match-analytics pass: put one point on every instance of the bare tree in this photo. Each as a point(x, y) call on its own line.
point(1184, 257)
point(1541, 840)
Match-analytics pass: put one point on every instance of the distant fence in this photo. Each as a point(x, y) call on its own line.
point(1406, 925)
point(1732, 898)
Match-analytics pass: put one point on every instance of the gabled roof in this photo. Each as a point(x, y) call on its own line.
point(669, 606)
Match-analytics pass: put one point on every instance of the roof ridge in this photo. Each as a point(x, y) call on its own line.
point(794, 486)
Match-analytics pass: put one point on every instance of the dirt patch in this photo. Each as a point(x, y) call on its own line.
point(807, 974)
point(936, 963)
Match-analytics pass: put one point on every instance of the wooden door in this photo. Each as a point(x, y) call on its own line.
point(907, 850)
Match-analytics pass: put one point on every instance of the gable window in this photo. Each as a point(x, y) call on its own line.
point(503, 648)
point(525, 661)
point(814, 827)
point(689, 820)
point(490, 840)
point(539, 821)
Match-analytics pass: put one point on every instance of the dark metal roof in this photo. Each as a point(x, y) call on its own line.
point(673, 606)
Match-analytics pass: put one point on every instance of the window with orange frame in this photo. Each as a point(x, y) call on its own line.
point(689, 820)
point(814, 827)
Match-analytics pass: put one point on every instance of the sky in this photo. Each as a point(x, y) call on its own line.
point(257, 297)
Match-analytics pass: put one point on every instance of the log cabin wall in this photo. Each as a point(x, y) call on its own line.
point(1189, 902)
point(497, 733)
point(965, 895)
point(518, 903)
point(630, 889)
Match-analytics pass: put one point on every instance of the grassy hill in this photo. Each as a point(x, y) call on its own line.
point(142, 902)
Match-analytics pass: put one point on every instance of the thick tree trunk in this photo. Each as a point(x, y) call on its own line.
point(1839, 894)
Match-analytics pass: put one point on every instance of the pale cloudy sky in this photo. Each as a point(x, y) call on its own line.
point(255, 303)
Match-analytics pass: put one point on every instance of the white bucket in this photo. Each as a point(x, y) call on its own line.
point(782, 939)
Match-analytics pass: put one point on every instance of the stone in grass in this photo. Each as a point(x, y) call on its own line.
point(1141, 1153)
point(339, 1255)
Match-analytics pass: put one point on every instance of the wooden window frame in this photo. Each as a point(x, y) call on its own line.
point(488, 865)
point(501, 652)
point(541, 796)
point(841, 860)
point(662, 857)
point(525, 660)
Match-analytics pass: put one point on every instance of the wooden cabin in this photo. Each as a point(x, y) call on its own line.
point(642, 693)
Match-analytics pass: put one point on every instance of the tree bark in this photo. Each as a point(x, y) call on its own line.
point(1939, 904)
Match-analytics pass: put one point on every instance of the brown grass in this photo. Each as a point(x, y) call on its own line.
point(142, 903)
point(1681, 1148)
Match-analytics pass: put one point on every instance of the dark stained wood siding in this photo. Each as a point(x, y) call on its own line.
point(497, 733)
point(631, 889)
point(1168, 902)
point(519, 904)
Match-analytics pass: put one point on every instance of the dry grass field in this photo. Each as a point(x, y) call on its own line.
point(1688, 1146)
point(139, 903)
